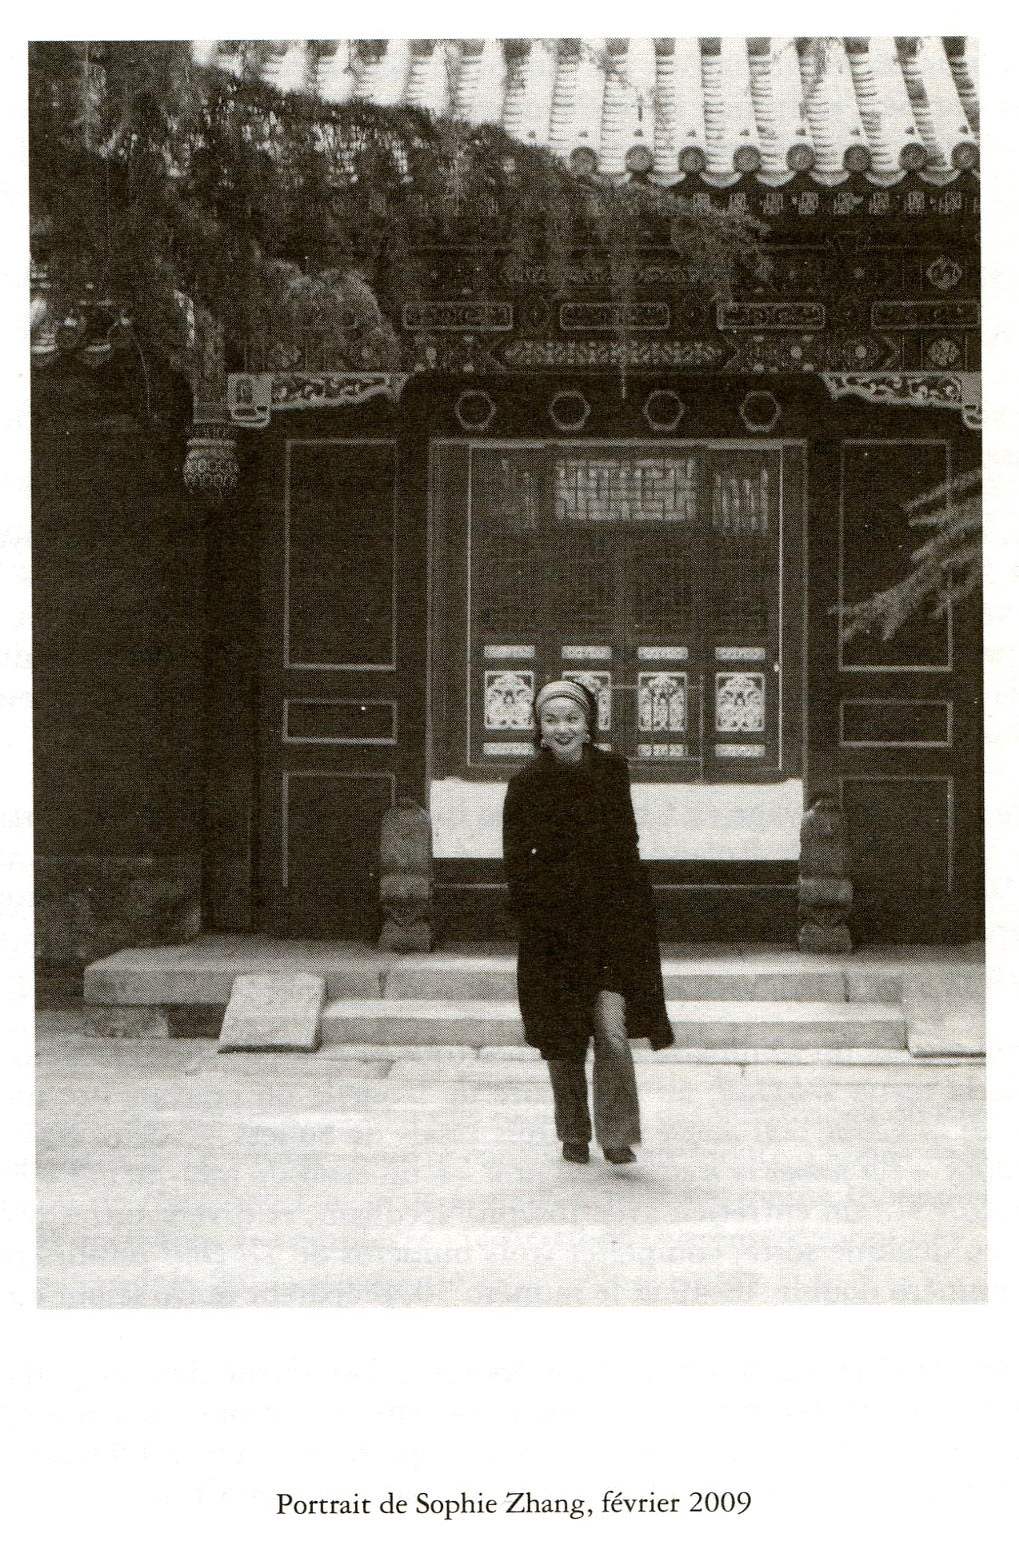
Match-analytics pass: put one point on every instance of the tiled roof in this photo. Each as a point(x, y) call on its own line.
point(671, 107)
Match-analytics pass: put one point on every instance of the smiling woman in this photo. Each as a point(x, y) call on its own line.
point(564, 711)
point(588, 962)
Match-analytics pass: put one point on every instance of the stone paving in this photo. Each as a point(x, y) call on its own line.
point(173, 1176)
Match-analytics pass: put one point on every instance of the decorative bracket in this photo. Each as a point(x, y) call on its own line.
point(916, 388)
point(253, 398)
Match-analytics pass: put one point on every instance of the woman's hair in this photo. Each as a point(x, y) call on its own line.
point(590, 712)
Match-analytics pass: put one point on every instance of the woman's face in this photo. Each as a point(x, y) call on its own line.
point(563, 728)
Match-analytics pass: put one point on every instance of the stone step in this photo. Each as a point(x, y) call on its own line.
point(193, 974)
point(202, 975)
point(502, 1056)
point(495, 979)
point(273, 1012)
point(723, 1024)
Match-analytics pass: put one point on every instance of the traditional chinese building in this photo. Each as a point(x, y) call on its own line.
point(669, 498)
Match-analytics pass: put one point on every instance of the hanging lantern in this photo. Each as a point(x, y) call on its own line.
point(43, 327)
point(120, 334)
point(70, 334)
point(210, 465)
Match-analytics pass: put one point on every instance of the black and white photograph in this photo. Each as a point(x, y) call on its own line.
point(510, 726)
point(507, 672)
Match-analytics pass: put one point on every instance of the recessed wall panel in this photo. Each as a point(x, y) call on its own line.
point(331, 827)
point(880, 479)
point(901, 837)
point(894, 724)
point(316, 721)
point(339, 574)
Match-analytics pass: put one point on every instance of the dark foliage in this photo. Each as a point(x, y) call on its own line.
point(202, 204)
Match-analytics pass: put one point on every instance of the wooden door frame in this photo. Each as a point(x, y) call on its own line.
point(444, 611)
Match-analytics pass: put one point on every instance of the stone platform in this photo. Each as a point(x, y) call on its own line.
point(928, 1001)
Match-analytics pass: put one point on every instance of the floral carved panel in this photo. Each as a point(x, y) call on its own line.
point(509, 699)
point(661, 702)
point(739, 703)
point(599, 683)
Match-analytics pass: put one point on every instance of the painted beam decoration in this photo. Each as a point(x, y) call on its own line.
point(771, 315)
point(457, 316)
point(599, 316)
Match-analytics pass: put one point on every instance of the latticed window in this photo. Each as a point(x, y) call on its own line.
point(507, 503)
point(650, 574)
point(586, 573)
point(740, 518)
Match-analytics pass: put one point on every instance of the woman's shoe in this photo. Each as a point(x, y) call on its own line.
point(619, 1155)
point(573, 1150)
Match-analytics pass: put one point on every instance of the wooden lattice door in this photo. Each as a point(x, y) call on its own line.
point(653, 576)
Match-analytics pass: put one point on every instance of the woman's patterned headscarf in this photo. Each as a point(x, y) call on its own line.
point(568, 688)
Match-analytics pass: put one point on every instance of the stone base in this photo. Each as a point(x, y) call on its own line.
point(824, 939)
point(126, 1021)
point(150, 1021)
point(826, 892)
point(416, 937)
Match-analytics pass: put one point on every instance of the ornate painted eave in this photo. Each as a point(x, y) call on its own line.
point(673, 109)
point(253, 398)
point(958, 391)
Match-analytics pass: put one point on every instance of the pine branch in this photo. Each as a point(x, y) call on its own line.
point(950, 489)
point(946, 568)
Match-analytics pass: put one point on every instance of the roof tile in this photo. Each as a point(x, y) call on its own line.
point(673, 106)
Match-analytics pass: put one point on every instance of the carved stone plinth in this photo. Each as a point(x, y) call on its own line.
point(405, 889)
point(825, 889)
point(417, 937)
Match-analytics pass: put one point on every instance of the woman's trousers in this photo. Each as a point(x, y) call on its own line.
point(616, 1111)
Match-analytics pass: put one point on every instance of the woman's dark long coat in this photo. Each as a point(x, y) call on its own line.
point(582, 902)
